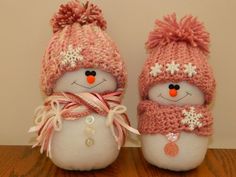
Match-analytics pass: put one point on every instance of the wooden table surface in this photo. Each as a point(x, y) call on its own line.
point(22, 161)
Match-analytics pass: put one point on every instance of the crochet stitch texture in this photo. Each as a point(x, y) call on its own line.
point(80, 26)
point(177, 51)
point(163, 119)
point(184, 43)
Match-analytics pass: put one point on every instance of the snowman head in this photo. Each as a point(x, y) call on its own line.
point(86, 80)
point(81, 57)
point(177, 70)
point(180, 93)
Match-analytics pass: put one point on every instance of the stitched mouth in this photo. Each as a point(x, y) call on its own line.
point(104, 80)
point(187, 94)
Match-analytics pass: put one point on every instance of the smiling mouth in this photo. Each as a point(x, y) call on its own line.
point(187, 94)
point(104, 80)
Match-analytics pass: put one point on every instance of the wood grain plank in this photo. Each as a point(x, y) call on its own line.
point(22, 161)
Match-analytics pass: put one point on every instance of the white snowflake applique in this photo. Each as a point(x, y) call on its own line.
point(191, 118)
point(71, 56)
point(172, 67)
point(190, 69)
point(155, 70)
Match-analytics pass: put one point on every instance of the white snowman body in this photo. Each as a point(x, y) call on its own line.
point(74, 148)
point(192, 148)
point(86, 143)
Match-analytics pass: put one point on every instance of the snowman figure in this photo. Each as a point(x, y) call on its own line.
point(176, 87)
point(81, 124)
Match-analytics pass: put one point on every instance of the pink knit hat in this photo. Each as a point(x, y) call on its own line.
point(79, 41)
point(178, 51)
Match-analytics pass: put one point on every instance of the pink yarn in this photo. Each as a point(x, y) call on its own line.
point(75, 12)
point(188, 30)
point(181, 42)
point(155, 118)
point(98, 49)
point(65, 106)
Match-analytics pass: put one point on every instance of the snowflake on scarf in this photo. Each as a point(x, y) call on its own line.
point(191, 118)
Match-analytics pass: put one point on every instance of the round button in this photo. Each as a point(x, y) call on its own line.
point(89, 131)
point(89, 142)
point(89, 120)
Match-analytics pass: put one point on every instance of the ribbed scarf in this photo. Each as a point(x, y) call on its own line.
point(164, 119)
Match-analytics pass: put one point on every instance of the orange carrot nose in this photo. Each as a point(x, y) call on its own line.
point(91, 79)
point(173, 92)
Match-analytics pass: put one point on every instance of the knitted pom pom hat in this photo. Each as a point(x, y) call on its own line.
point(178, 51)
point(79, 41)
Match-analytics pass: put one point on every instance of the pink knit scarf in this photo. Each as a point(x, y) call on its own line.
point(68, 106)
point(155, 118)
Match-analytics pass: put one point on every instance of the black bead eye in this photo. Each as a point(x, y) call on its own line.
point(87, 73)
point(171, 86)
point(177, 87)
point(93, 73)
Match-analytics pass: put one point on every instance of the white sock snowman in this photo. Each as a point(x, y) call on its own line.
point(176, 87)
point(81, 125)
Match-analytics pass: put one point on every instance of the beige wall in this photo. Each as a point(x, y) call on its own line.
point(24, 34)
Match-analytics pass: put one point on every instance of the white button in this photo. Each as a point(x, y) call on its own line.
point(89, 120)
point(89, 142)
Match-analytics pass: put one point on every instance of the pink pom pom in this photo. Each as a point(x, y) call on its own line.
point(188, 30)
point(76, 12)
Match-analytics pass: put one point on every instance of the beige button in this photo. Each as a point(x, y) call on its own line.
point(89, 120)
point(89, 131)
point(89, 142)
